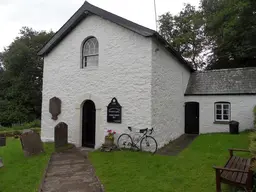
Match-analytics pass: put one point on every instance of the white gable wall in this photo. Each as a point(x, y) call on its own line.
point(169, 82)
point(124, 72)
point(241, 111)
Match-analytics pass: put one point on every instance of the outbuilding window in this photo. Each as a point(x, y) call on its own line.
point(90, 53)
point(222, 111)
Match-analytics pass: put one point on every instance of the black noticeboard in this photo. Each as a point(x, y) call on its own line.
point(114, 114)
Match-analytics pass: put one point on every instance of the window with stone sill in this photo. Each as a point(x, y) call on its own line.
point(90, 53)
point(222, 111)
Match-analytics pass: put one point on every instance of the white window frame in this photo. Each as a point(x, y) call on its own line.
point(95, 53)
point(222, 104)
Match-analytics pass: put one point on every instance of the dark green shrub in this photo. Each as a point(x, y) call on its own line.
point(254, 113)
point(16, 136)
point(252, 147)
point(12, 133)
point(16, 132)
point(33, 124)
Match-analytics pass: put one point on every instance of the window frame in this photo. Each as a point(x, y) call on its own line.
point(83, 56)
point(222, 103)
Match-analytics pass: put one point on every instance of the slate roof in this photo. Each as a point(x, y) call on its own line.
point(88, 9)
point(238, 81)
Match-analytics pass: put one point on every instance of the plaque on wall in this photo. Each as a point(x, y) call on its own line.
point(55, 107)
point(114, 114)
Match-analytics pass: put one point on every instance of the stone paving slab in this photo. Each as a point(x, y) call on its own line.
point(177, 145)
point(70, 171)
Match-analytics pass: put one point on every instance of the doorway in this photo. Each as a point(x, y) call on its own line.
point(88, 124)
point(192, 118)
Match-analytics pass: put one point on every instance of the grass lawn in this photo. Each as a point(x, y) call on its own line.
point(190, 171)
point(19, 173)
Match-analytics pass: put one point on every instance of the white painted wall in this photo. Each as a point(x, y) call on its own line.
point(124, 72)
point(169, 81)
point(241, 111)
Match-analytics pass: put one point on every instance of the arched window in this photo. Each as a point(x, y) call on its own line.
point(90, 52)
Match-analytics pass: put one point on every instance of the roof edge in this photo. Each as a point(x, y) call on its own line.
point(85, 10)
point(227, 69)
point(173, 51)
point(219, 94)
point(88, 9)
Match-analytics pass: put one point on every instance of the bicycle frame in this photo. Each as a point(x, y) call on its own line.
point(145, 134)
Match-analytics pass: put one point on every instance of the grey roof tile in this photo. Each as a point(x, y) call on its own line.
point(223, 82)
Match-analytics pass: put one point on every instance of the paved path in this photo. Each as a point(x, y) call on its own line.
point(70, 172)
point(178, 145)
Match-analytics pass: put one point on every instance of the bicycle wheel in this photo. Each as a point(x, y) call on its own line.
point(124, 141)
point(148, 144)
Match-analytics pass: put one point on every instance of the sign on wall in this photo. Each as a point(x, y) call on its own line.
point(114, 114)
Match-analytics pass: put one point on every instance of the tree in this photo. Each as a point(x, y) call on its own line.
point(231, 28)
point(185, 32)
point(22, 72)
point(220, 34)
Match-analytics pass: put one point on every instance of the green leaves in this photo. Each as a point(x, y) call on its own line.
point(231, 26)
point(185, 33)
point(21, 74)
point(220, 34)
point(254, 114)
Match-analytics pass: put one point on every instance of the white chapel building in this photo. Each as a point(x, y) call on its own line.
point(97, 57)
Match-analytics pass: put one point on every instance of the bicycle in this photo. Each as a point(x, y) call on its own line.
point(147, 142)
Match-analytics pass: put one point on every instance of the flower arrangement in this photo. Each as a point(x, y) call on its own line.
point(110, 134)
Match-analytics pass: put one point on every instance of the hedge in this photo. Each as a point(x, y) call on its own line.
point(13, 133)
point(33, 124)
point(254, 113)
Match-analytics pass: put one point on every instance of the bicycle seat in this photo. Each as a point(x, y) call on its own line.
point(143, 130)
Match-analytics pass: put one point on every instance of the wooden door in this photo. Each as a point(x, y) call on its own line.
point(88, 124)
point(192, 118)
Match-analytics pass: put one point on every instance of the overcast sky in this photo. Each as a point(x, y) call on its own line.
point(52, 14)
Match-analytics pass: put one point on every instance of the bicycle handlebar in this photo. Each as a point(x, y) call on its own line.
point(149, 131)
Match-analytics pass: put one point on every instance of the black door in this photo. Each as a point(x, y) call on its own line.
point(88, 124)
point(192, 118)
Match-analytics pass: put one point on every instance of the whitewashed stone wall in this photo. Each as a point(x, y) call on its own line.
point(241, 111)
point(169, 82)
point(124, 72)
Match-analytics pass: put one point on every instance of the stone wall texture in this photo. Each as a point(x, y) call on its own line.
point(169, 82)
point(124, 72)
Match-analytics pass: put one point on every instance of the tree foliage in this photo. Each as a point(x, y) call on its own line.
point(231, 26)
point(220, 33)
point(21, 73)
point(185, 32)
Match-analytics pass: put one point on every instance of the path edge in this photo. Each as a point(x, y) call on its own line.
point(40, 189)
point(94, 170)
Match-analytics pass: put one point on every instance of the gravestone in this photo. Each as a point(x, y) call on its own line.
point(61, 135)
point(2, 140)
point(31, 143)
point(55, 107)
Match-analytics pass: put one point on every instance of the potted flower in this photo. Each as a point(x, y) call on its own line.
point(109, 138)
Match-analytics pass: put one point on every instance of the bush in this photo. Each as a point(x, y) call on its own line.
point(16, 132)
point(254, 113)
point(12, 133)
point(252, 147)
point(33, 124)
